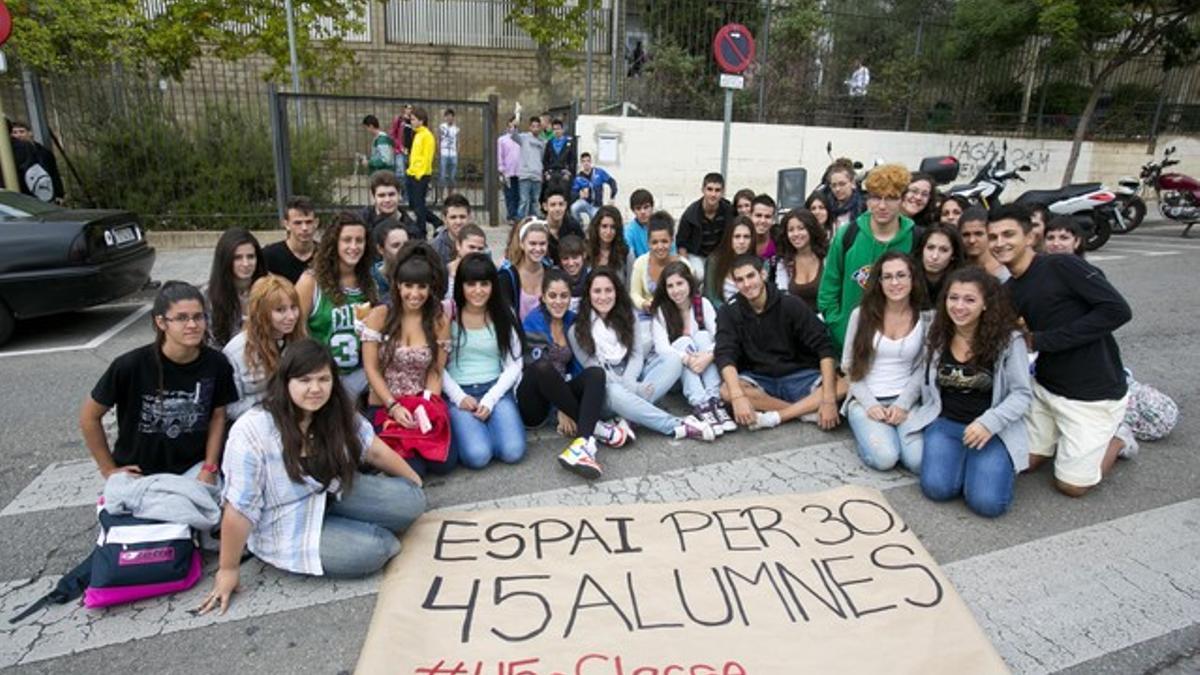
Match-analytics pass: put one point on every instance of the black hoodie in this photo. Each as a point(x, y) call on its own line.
point(786, 337)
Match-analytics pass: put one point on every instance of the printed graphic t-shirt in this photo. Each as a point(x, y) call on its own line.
point(164, 431)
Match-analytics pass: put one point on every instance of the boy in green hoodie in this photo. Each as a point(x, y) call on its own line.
point(881, 229)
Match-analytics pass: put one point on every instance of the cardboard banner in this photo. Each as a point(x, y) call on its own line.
point(817, 583)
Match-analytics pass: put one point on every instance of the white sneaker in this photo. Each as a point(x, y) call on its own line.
point(1130, 447)
point(765, 420)
point(625, 427)
point(610, 434)
point(811, 418)
point(695, 429)
point(579, 457)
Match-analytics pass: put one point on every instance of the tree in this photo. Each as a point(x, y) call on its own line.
point(62, 36)
point(1102, 34)
point(558, 30)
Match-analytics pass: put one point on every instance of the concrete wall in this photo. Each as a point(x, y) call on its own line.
point(670, 157)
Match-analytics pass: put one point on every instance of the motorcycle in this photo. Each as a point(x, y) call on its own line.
point(1090, 205)
point(1178, 194)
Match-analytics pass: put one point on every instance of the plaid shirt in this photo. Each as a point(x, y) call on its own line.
point(285, 516)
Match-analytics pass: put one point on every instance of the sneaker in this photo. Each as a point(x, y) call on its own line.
point(811, 418)
point(1129, 449)
point(610, 434)
point(624, 426)
point(723, 417)
point(695, 429)
point(579, 458)
point(705, 414)
point(765, 420)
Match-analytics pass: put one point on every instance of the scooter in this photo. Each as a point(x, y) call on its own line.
point(1091, 205)
point(1178, 194)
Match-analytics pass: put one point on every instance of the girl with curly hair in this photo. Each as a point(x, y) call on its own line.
point(336, 292)
point(883, 349)
point(272, 323)
point(974, 390)
point(801, 246)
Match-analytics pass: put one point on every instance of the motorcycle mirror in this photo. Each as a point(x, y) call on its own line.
point(829, 148)
point(858, 165)
point(1024, 167)
point(1171, 150)
point(1004, 146)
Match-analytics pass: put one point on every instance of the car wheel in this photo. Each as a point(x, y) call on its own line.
point(7, 323)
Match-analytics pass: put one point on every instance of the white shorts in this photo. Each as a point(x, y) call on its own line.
point(1081, 431)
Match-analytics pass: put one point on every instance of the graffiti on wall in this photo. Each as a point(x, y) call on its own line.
point(973, 153)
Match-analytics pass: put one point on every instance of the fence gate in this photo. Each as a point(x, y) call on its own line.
point(321, 145)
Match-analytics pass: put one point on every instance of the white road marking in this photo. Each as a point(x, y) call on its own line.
point(60, 485)
point(90, 344)
point(1056, 602)
point(1102, 258)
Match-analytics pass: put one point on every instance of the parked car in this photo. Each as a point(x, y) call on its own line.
point(55, 260)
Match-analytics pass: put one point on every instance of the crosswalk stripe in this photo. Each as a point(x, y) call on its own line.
point(59, 485)
point(1137, 251)
point(1102, 258)
point(1056, 602)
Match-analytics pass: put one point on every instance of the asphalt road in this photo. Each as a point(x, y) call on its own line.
point(1146, 515)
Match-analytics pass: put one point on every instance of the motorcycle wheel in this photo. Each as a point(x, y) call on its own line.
point(1101, 231)
point(1133, 213)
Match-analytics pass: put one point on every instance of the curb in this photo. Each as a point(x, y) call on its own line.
point(171, 240)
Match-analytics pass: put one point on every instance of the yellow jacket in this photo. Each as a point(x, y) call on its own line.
point(420, 158)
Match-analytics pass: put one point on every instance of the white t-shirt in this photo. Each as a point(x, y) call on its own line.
point(448, 139)
point(893, 363)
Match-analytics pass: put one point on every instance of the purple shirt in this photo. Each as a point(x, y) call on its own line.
point(508, 155)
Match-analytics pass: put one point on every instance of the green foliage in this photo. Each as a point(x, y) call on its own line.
point(63, 36)
point(553, 25)
point(212, 175)
point(677, 83)
point(690, 25)
point(1063, 97)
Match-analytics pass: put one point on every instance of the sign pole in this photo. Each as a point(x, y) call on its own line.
point(733, 49)
point(725, 135)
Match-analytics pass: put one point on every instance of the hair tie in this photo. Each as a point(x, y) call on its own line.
point(525, 228)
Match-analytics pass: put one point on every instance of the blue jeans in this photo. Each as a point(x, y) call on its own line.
point(359, 533)
point(787, 388)
point(582, 208)
point(658, 375)
point(948, 469)
point(502, 436)
point(881, 445)
point(447, 170)
point(530, 192)
point(401, 167)
point(698, 389)
point(512, 197)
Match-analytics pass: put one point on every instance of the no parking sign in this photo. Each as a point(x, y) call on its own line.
point(733, 48)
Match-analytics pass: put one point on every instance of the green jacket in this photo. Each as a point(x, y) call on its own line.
point(383, 153)
point(845, 276)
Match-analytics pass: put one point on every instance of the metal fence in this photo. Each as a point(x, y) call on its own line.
point(332, 126)
point(918, 82)
point(478, 23)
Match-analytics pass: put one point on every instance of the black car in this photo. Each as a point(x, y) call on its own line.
point(56, 260)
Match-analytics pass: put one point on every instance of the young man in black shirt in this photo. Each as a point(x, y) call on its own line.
point(703, 223)
point(1079, 389)
point(290, 257)
point(774, 354)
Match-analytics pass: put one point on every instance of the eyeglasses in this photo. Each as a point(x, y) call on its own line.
point(918, 193)
point(881, 198)
point(185, 319)
point(898, 276)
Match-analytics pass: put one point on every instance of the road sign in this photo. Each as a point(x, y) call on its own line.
point(5, 23)
point(733, 48)
point(728, 81)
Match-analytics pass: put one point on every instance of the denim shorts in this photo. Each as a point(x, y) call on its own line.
point(790, 388)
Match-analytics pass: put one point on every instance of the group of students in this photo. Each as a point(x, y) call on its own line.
point(355, 363)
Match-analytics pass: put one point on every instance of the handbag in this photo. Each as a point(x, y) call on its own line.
point(138, 558)
point(432, 444)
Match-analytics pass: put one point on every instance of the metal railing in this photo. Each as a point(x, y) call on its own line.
point(477, 23)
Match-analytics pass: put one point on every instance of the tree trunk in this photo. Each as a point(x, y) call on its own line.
point(1085, 119)
point(545, 73)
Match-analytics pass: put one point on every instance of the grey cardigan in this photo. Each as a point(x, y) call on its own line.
point(1011, 397)
point(859, 391)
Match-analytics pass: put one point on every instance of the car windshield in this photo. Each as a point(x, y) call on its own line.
point(17, 205)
